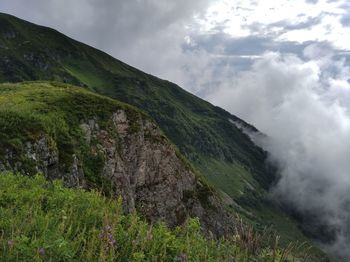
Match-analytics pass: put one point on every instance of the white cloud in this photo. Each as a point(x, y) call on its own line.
point(304, 110)
point(151, 34)
point(277, 19)
point(330, 30)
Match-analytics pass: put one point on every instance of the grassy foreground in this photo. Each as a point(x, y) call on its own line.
point(44, 221)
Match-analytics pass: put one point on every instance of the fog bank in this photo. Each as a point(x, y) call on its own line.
point(302, 104)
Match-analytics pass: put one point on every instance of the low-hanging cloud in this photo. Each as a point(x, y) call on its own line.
point(302, 104)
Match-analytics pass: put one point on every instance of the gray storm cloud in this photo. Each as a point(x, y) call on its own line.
point(147, 34)
point(302, 104)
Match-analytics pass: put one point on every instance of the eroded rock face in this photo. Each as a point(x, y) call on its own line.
point(42, 157)
point(141, 166)
point(145, 170)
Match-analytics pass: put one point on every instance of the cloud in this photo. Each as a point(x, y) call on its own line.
point(302, 104)
point(96, 21)
point(330, 29)
point(291, 25)
point(284, 21)
point(312, 1)
point(148, 34)
point(192, 43)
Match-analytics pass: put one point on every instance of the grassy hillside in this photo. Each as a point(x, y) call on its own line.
point(195, 126)
point(203, 133)
point(32, 110)
point(43, 221)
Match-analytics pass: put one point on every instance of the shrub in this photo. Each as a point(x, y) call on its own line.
point(44, 221)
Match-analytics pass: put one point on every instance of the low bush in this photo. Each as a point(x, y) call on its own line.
point(44, 221)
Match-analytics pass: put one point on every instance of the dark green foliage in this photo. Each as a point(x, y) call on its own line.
point(43, 221)
point(32, 110)
point(93, 167)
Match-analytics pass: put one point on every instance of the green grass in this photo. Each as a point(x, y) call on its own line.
point(236, 179)
point(33, 110)
point(44, 221)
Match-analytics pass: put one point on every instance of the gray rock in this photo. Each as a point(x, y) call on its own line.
point(141, 166)
point(144, 169)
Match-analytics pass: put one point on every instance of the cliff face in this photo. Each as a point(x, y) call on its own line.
point(145, 169)
point(126, 155)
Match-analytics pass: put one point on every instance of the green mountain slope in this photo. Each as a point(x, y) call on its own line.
point(94, 142)
point(205, 134)
point(202, 132)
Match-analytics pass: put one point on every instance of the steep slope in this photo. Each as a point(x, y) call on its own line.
point(90, 141)
point(201, 131)
point(205, 134)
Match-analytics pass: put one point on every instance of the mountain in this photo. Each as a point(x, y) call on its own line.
point(202, 132)
point(208, 136)
point(94, 142)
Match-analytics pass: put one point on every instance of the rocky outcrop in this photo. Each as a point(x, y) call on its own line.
point(146, 171)
point(42, 157)
point(139, 164)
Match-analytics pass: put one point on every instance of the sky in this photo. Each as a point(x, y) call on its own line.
point(283, 66)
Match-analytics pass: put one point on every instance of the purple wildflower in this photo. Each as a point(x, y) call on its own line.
point(107, 236)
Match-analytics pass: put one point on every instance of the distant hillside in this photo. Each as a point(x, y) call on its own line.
point(203, 133)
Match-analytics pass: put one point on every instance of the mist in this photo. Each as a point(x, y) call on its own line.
point(302, 104)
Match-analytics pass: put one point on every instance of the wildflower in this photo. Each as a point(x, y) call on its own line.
point(41, 251)
point(107, 236)
point(149, 234)
point(182, 257)
point(11, 243)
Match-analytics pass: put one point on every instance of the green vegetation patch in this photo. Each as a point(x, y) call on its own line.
point(32, 110)
point(44, 221)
